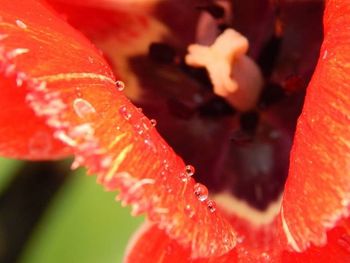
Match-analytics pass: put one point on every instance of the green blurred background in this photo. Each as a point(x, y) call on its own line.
point(49, 214)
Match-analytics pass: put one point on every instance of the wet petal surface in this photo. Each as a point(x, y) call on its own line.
point(77, 97)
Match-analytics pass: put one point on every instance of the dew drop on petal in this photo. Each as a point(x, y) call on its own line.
point(189, 169)
point(166, 165)
point(153, 122)
point(125, 113)
point(120, 85)
point(211, 206)
point(201, 191)
point(150, 144)
point(186, 175)
point(189, 211)
point(83, 108)
point(145, 124)
point(169, 189)
point(138, 129)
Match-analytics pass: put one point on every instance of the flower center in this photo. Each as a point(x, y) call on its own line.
point(239, 143)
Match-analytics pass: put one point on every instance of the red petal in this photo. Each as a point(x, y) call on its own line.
point(317, 192)
point(68, 83)
point(22, 133)
point(151, 244)
point(100, 19)
point(337, 249)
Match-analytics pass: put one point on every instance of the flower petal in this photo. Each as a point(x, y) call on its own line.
point(317, 191)
point(336, 250)
point(67, 83)
point(150, 244)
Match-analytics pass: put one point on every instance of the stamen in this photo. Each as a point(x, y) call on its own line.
point(235, 76)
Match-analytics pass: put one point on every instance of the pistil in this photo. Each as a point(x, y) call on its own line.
point(234, 75)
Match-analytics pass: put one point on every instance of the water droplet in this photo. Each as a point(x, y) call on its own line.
point(120, 85)
point(212, 247)
point(153, 122)
point(189, 211)
point(186, 175)
point(139, 109)
point(125, 113)
point(201, 191)
point(183, 177)
point(211, 206)
point(166, 165)
point(150, 144)
point(83, 108)
point(189, 169)
point(145, 123)
point(138, 129)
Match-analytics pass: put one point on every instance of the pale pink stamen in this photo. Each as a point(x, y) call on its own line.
point(234, 75)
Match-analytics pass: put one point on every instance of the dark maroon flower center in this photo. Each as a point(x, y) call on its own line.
point(243, 153)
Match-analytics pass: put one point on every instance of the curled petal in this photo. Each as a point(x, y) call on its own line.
point(317, 192)
point(150, 244)
point(68, 85)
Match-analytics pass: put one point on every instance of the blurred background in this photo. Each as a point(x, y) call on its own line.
point(50, 214)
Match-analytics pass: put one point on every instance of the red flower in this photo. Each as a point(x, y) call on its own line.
point(59, 97)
